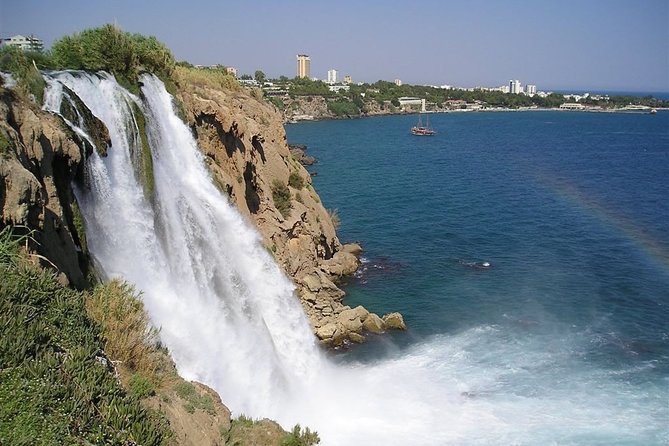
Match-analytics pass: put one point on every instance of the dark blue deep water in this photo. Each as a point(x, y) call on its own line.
point(568, 329)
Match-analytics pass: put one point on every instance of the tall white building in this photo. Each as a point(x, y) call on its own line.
point(332, 76)
point(398, 82)
point(515, 87)
point(530, 90)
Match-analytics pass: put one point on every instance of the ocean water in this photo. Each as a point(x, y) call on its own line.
point(564, 338)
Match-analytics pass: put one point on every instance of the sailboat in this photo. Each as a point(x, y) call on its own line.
point(423, 130)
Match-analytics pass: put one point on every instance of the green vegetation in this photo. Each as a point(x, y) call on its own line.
point(5, 145)
point(295, 180)
point(299, 437)
point(218, 79)
point(110, 49)
point(56, 384)
point(307, 87)
point(187, 392)
point(23, 66)
point(282, 198)
point(343, 107)
point(145, 166)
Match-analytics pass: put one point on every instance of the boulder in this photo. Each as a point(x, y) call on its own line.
point(352, 248)
point(327, 331)
point(394, 321)
point(355, 337)
point(373, 323)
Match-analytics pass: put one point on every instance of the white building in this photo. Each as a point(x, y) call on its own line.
point(530, 90)
point(332, 76)
point(515, 87)
point(338, 88)
point(30, 43)
point(404, 100)
point(398, 82)
point(231, 70)
point(348, 79)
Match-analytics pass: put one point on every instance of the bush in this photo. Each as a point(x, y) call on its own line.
point(343, 107)
point(282, 198)
point(21, 64)
point(297, 437)
point(110, 49)
point(295, 180)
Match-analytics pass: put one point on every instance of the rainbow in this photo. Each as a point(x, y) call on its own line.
point(653, 248)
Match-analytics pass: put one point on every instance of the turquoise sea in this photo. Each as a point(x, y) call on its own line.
point(567, 330)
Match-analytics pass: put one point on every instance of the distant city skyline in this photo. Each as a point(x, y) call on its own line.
point(571, 44)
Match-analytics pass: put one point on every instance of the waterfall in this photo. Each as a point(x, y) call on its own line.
point(225, 310)
point(231, 320)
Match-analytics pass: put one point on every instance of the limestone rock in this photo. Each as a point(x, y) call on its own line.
point(373, 323)
point(394, 321)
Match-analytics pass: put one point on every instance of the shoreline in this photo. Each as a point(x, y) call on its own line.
point(487, 110)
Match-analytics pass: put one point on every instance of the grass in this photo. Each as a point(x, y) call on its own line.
point(129, 337)
point(187, 392)
point(56, 384)
point(334, 218)
point(282, 198)
point(211, 78)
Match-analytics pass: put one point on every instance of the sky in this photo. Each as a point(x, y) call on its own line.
point(617, 45)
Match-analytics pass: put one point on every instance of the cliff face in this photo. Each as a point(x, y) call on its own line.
point(244, 142)
point(39, 160)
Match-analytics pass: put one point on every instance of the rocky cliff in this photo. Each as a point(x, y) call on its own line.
point(246, 150)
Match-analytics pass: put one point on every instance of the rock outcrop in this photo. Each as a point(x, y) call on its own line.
point(245, 145)
point(39, 160)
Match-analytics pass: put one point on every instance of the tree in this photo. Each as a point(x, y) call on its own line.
point(260, 76)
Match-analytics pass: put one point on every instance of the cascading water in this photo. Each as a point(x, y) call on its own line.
point(230, 318)
point(226, 311)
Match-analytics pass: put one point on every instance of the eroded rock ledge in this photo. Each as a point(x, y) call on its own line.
point(245, 145)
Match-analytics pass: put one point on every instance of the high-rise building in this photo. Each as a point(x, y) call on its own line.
point(332, 76)
point(30, 43)
point(515, 87)
point(398, 82)
point(347, 79)
point(530, 90)
point(303, 65)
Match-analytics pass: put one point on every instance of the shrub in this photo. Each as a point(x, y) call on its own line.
point(22, 65)
point(111, 49)
point(343, 107)
point(298, 437)
point(295, 180)
point(282, 198)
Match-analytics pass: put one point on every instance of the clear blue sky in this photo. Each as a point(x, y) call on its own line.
point(555, 44)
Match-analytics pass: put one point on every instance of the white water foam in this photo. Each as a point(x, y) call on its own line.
point(231, 320)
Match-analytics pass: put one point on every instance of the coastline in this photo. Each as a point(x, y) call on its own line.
point(309, 118)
